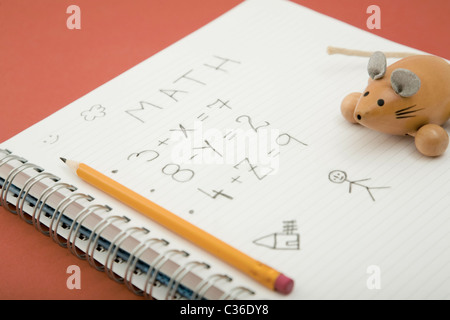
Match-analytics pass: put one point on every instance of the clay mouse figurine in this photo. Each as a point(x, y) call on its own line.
point(410, 97)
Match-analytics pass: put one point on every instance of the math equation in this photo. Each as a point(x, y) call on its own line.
point(218, 128)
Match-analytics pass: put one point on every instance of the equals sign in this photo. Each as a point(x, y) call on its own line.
point(202, 117)
point(231, 137)
point(276, 154)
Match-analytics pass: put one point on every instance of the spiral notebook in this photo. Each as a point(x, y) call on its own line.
point(237, 129)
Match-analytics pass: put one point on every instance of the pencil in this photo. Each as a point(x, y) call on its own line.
point(260, 272)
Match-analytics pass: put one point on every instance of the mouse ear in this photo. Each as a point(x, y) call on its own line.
point(377, 65)
point(404, 82)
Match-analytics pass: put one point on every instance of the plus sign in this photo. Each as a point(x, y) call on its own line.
point(162, 142)
point(236, 179)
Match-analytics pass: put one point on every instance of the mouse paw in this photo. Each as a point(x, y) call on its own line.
point(431, 140)
point(348, 106)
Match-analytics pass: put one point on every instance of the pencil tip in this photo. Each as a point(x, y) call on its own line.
point(63, 159)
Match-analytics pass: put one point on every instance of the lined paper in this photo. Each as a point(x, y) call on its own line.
point(237, 129)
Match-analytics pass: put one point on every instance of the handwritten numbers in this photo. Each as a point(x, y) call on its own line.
point(216, 194)
point(284, 139)
point(183, 130)
point(180, 175)
point(220, 104)
point(248, 120)
point(209, 146)
point(74, 20)
point(253, 168)
point(146, 155)
point(217, 105)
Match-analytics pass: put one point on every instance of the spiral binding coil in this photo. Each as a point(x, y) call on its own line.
point(111, 254)
point(179, 274)
point(134, 258)
point(42, 202)
point(9, 182)
point(62, 206)
point(24, 192)
point(78, 221)
point(157, 264)
point(235, 292)
point(93, 240)
point(207, 283)
point(77, 231)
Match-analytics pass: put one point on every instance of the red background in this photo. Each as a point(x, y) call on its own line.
point(45, 66)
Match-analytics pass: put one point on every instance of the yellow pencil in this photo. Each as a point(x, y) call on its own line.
point(262, 273)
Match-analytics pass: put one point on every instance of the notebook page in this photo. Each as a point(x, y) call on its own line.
point(237, 129)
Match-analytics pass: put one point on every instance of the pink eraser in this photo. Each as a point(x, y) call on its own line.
point(284, 284)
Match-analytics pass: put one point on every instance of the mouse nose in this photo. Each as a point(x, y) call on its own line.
point(358, 116)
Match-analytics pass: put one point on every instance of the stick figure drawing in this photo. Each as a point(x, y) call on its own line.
point(339, 176)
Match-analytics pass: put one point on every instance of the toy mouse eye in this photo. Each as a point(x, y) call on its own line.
point(380, 102)
point(366, 93)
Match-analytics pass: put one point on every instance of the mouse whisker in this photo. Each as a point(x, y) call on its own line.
point(404, 109)
point(404, 117)
point(407, 112)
